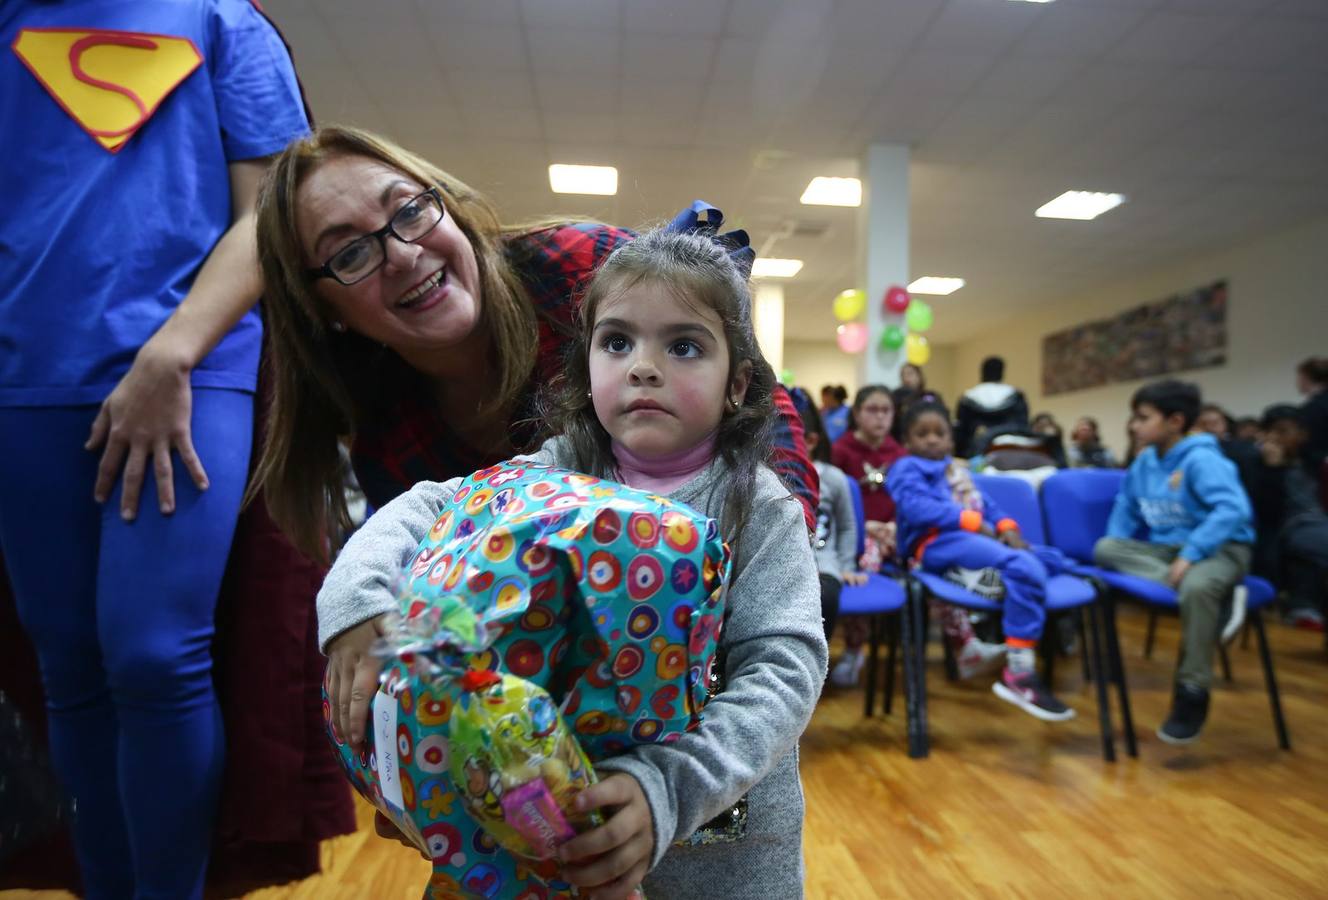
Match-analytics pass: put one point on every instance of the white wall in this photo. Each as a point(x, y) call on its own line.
point(1277, 314)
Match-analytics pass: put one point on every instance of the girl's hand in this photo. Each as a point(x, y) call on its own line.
point(987, 530)
point(612, 859)
point(856, 579)
point(353, 677)
point(883, 533)
point(146, 416)
point(1013, 538)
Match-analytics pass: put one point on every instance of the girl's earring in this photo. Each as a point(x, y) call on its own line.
point(338, 326)
point(589, 395)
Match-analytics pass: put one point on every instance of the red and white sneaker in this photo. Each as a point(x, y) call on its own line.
point(978, 658)
point(1027, 692)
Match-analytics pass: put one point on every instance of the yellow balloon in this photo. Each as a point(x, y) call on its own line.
point(917, 350)
point(849, 305)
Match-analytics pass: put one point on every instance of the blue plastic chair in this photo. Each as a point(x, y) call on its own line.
point(1066, 593)
point(882, 596)
point(1077, 504)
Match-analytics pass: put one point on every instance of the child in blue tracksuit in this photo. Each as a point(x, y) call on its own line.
point(946, 524)
point(1188, 496)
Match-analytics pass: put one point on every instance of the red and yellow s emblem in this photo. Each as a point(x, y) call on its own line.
point(1176, 480)
point(110, 82)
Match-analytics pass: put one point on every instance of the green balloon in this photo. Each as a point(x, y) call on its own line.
point(785, 376)
point(892, 338)
point(919, 316)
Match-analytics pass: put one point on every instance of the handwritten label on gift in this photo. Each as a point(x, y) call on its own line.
point(385, 746)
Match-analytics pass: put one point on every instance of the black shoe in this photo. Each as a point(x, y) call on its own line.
point(1189, 709)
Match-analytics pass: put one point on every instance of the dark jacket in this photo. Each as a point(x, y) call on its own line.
point(985, 408)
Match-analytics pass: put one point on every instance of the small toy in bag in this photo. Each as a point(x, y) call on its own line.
point(536, 591)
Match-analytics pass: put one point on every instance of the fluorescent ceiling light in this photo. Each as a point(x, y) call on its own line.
point(1033, 1)
point(935, 284)
point(565, 179)
point(769, 267)
point(1083, 205)
point(826, 191)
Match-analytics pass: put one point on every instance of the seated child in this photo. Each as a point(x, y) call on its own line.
point(946, 523)
point(1292, 542)
point(836, 541)
point(1189, 498)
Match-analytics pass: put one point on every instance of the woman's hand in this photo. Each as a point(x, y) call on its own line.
point(146, 416)
point(386, 828)
point(1012, 538)
point(612, 859)
point(854, 579)
point(353, 677)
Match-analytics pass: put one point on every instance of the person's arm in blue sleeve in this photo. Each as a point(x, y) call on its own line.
point(1125, 520)
point(921, 507)
point(1216, 482)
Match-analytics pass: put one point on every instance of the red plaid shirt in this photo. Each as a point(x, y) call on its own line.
point(408, 441)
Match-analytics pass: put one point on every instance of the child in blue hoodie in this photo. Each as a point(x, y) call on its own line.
point(946, 524)
point(1189, 498)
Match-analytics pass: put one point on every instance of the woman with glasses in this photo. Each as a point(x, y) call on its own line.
point(408, 322)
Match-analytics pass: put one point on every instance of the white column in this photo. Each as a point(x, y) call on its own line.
point(768, 319)
point(882, 251)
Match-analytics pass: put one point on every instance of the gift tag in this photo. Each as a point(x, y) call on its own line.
point(385, 746)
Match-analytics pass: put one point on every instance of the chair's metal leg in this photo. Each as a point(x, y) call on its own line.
point(1047, 646)
point(1083, 645)
point(874, 630)
point(1116, 667)
point(951, 666)
point(914, 637)
point(892, 646)
point(1093, 645)
point(1226, 662)
point(1152, 630)
point(1274, 698)
point(1245, 635)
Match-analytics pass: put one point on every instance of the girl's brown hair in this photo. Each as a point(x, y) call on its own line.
point(326, 383)
point(699, 271)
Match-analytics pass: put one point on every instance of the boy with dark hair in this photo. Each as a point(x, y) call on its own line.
point(1188, 497)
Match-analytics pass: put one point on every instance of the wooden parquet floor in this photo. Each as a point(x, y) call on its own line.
point(1007, 806)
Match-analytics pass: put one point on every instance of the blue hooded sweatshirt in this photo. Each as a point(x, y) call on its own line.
point(1191, 498)
point(924, 502)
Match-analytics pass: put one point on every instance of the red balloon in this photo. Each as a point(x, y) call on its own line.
point(897, 299)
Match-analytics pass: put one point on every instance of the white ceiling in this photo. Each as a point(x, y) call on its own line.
point(1210, 115)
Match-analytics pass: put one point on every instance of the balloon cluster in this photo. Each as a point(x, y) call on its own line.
point(917, 316)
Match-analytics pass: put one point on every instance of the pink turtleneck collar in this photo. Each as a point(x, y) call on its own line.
point(662, 474)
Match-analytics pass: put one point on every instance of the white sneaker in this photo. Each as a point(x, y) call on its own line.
point(1239, 597)
point(846, 671)
point(978, 657)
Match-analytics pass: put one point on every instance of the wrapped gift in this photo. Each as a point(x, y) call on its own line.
point(607, 600)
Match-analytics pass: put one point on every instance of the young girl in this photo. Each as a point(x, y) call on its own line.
point(865, 453)
point(945, 523)
point(667, 391)
point(836, 540)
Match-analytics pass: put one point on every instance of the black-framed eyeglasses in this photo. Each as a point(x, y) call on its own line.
point(363, 256)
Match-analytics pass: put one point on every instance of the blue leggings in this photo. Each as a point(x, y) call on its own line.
point(1024, 573)
point(121, 616)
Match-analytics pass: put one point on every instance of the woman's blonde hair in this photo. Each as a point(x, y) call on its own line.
point(325, 383)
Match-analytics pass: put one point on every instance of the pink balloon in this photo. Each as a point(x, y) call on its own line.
point(852, 337)
point(897, 299)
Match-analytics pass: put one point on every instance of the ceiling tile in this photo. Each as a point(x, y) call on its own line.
point(682, 17)
point(1081, 33)
point(979, 26)
point(1174, 38)
point(599, 15)
point(577, 51)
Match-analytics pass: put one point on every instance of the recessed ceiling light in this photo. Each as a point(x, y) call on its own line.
point(826, 191)
point(566, 179)
point(935, 284)
point(1079, 205)
point(770, 267)
point(1034, 1)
